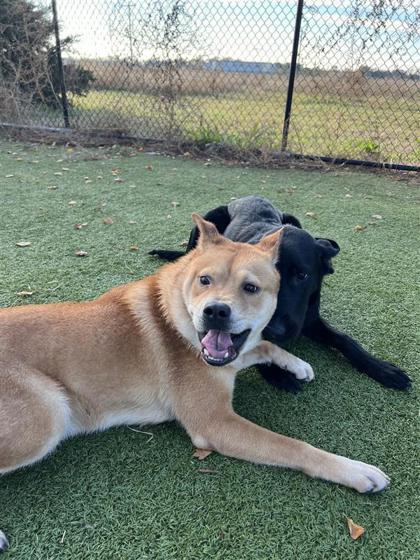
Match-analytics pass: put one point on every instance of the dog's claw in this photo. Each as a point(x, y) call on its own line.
point(303, 371)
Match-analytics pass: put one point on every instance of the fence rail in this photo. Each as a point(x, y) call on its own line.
point(338, 79)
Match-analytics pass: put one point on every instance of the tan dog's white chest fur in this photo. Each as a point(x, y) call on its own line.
point(133, 357)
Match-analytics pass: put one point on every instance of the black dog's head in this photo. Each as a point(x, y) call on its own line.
point(304, 261)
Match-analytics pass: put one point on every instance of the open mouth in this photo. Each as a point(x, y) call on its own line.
point(220, 348)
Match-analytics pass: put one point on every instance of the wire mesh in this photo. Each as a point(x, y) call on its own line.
point(217, 71)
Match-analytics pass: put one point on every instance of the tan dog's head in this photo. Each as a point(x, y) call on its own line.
point(230, 291)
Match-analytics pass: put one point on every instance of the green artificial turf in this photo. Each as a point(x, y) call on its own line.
point(124, 494)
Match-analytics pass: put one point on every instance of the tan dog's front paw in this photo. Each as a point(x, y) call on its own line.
point(363, 477)
point(303, 371)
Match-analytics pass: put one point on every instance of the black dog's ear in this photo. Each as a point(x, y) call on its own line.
point(292, 220)
point(219, 216)
point(329, 249)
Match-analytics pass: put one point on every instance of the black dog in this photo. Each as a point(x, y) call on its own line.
point(304, 262)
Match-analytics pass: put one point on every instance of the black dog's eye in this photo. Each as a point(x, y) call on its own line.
point(300, 275)
point(251, 288)
point(205, 280)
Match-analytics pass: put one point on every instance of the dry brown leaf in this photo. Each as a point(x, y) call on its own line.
point(108, 221)
point(24, 293)
point(23, 243)
point(134, 248)
point(149, 167)
point(207, 471)
point(201, 454)
point(359, 227)
point(311, 215)
point(356, 531)
point(81, 253)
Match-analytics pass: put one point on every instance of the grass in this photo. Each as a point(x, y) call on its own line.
point(327, 124)
point(126, 495)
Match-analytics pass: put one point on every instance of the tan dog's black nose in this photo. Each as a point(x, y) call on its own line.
point(217, 311)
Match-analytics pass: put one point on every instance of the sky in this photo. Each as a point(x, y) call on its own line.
point(251, 30)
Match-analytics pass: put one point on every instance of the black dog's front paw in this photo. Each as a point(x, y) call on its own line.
point(389, 375)
point(280, 378)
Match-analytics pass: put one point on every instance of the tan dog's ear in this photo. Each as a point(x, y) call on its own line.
point(208, 232)
point(271, 244)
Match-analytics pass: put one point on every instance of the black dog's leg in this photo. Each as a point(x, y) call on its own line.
point(280, 378)
point(384, 372)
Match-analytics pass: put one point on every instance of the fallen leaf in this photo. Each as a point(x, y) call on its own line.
point(201, 454)
point(356, 531)
point(174, 204)
point(207, 471)
point(118, 180)
point(311, 215)
point(359, 227)
point(149, 167)
point(81, 253)
point(72, 203)
point(24, 293)
point(23, 243)
point(207, 164)
point(80, 226)
point(184, 243)
point(108, 221)
point(377, 216)
point(134, 248)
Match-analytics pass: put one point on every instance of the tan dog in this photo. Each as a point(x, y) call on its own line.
point(147, 352)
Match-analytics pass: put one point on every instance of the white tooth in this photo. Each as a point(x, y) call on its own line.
point(226, 355)
point(206, 352)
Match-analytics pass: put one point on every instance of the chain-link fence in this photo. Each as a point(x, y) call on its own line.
point(219, 72)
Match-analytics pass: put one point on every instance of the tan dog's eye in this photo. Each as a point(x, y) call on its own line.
point(251, 288)
point(205, 280)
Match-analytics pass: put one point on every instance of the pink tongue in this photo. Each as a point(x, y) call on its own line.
point(217, 343)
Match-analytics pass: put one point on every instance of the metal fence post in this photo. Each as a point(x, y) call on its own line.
point(292, 74)
point(64, 101)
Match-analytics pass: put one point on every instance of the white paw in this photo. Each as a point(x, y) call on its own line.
point(363, 477)
point(303, 371)
point(4, 543)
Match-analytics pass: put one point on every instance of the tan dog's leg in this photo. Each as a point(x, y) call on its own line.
point(213, 424)
point(34, 416)
point(266, 352)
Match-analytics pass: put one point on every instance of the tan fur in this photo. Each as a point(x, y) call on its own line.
point(133, 356)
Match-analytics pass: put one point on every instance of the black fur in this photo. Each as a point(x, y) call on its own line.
point(304, 261)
